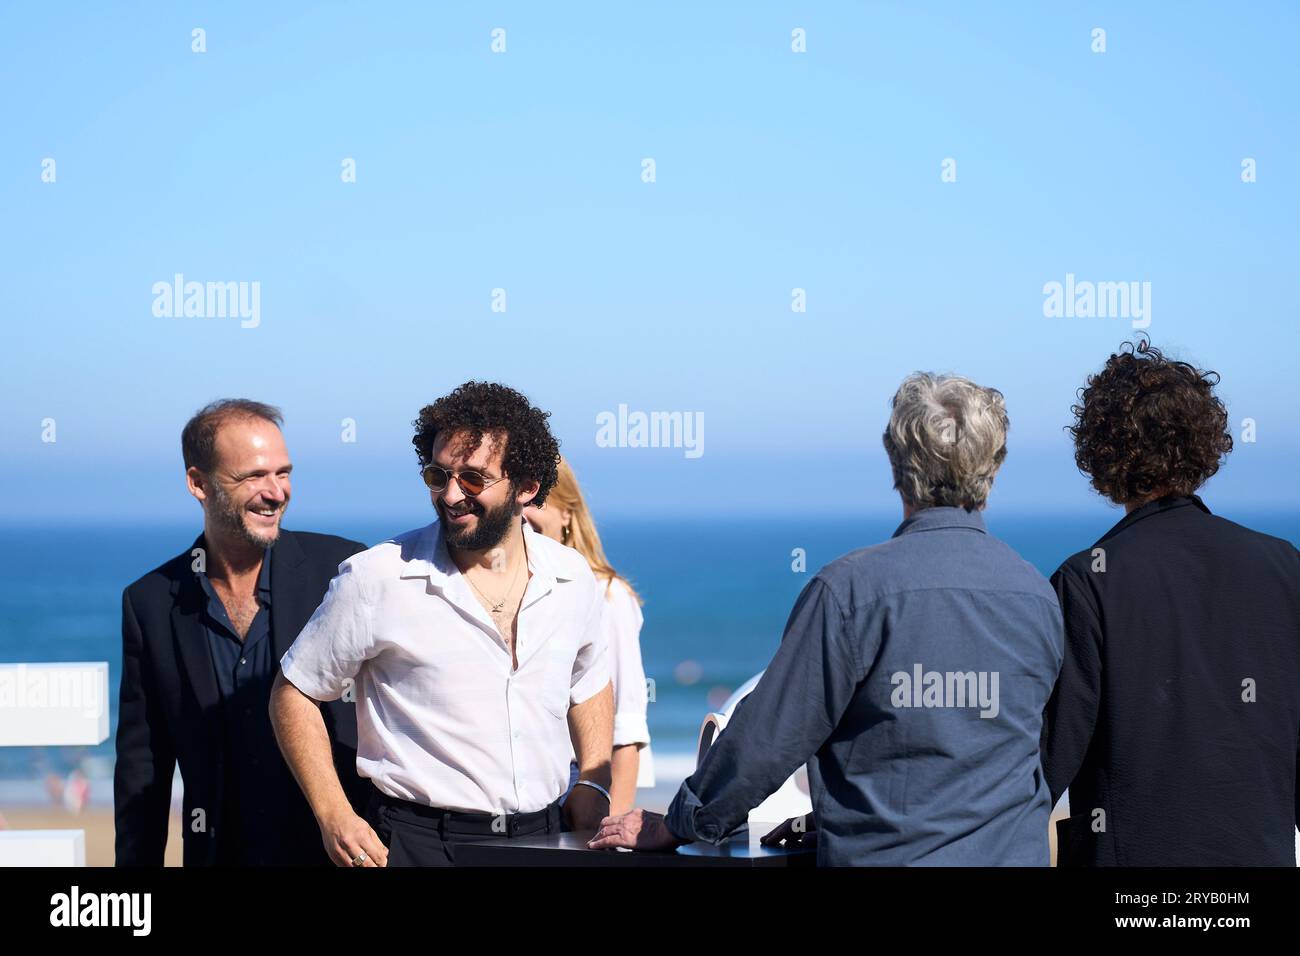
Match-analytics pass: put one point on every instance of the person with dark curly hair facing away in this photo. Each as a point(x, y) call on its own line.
point(1175, 723)
point(476, 652)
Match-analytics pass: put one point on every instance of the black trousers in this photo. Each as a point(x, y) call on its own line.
point(417, 835)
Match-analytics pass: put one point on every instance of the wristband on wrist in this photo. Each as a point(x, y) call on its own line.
point(594, 786)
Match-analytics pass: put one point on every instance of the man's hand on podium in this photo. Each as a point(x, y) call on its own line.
point(635, 830)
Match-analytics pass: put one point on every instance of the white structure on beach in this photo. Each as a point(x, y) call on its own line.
point(51, 705)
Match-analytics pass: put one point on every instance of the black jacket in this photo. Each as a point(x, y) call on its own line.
point(1175, 723)
point(168, 710)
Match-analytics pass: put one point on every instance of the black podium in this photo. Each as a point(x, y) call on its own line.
point(570, 849)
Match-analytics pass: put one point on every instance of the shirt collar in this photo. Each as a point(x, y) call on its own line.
point(1158, 506)
point(430, 558)
point(263, 576)
point(933, 519)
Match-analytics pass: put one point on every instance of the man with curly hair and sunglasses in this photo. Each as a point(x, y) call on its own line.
point(1175, 722)
point(475, 650)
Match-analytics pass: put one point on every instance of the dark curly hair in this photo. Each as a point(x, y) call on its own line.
point(1146, 424)
point(486, 408)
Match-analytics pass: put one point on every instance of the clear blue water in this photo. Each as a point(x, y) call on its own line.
point(717, 593)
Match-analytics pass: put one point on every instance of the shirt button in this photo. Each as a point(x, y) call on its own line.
point(243, 660)
point(516, 735)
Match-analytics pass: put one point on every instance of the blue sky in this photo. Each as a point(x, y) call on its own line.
point(523, 170)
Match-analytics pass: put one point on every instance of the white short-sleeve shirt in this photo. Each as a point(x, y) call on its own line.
point(442, 719)
point(623, 620)
point(623, 626)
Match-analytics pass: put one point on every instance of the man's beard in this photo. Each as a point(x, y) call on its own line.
point(229, 517)
point(489, 530)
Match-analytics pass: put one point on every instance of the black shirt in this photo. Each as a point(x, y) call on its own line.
point(1175, 723)
point(245, 672)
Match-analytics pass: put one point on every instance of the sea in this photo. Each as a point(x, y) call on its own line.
point(717, 595)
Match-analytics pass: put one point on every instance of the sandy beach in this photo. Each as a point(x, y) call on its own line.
point(96, 821)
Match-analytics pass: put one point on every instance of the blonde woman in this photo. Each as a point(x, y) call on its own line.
point(566, 518)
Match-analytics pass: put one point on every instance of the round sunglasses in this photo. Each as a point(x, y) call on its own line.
point(471, 482)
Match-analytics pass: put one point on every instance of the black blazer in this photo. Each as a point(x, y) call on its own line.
point(168, 708)
point(1151, 726)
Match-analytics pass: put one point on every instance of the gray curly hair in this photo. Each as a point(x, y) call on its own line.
point(946, 439)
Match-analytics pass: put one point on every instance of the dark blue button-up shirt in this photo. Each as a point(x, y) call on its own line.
point(245, 671)
point(914, 675)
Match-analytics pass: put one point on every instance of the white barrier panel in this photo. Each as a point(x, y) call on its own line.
point(53, 705)
point(42, 848)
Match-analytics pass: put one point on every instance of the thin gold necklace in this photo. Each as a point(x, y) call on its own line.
point(498, 605)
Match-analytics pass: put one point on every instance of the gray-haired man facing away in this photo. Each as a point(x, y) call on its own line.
point(911, 678)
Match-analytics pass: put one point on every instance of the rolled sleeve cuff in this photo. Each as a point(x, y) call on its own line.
point(310, 684)
point(683, 819)
point(590, 684)
point(630, 728)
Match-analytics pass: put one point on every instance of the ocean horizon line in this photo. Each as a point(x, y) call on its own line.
point(300, 521)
